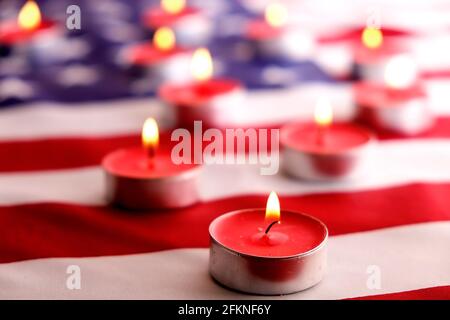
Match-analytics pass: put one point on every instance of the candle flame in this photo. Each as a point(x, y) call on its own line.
point(164, 39)
point(173, 6)
point(150, 134)
point(202, 65)
point(29, 16)
point(273, 207)
point(323, 112)
point(276, 14)
point(400, 72)
point(372, 37)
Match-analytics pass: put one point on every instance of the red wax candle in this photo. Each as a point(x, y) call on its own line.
point(401, 110)
point(158, 17)
point(273, 38)
point(147, 54)
point(162, 59)
point(189, 24)
point(323, 151)
point(370, 48)
point(262, 30)
point(12, 34)
point(144, 178)
point(254, 254)
point(211, 100)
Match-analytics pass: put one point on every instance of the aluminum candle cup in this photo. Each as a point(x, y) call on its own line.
point(282, 42)
point(290, 258)
point(172, 65)
point(370, 48)
point(403, 111)
point(190, 25)
point(146, 178)
point(131, 184)
point(216, 102)
point(341, 155)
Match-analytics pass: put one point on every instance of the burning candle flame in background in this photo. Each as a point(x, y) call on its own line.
point(202, 65)
point(164, 39)
point(323, 112)
point(400, 72)
point(276, 14)
point(372, 37)
point(150, 135)
point(173, 6)
point(273, 207)
point(29, 16)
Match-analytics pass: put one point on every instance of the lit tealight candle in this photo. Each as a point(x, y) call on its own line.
point(323, 150)
point(267, 251)
point(146, 177)
point(29, 25)
point(399, 104)
point(366, 50)
point(274, 37)
point(162, 60)
point(189, 24)
point(215, 101)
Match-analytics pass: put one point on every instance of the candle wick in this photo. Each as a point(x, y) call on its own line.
point(151, 153)
point(270, 226)
point(321, 135)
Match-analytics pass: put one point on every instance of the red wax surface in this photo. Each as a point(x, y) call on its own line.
point(243, 231)
point(133, 163)
point(145, 54)
point(11, 33)
point(196, 93)
point(260, 30)
point(337, 138)
point(374, 95)
point(157, 17)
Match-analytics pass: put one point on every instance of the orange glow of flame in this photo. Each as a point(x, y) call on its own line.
point(164, 39)
point(29, 16)
point(173, 6)
point(372, 37)
point(202, 65)
point(323, 113)
point(150, 134)
point(273, 208)
point(276, 15)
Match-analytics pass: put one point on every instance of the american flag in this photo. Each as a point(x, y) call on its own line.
point(62, 111)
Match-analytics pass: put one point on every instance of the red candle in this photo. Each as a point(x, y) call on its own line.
point(399, 103)
point(147, 178)
point(189, 24)
point(369, 48)
point(28, 26)
point(322, 150)
point(212, 100)
point(267, 252)
point(403, 111)
point(162, 59)
point(273, 38)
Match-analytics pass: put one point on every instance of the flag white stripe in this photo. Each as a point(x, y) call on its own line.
point(392, 163)
point(46, 120)
point(407, 258)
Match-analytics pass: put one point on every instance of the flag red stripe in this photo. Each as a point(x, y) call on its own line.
point(61, 230)
point(66, 153)
point(435, 293)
